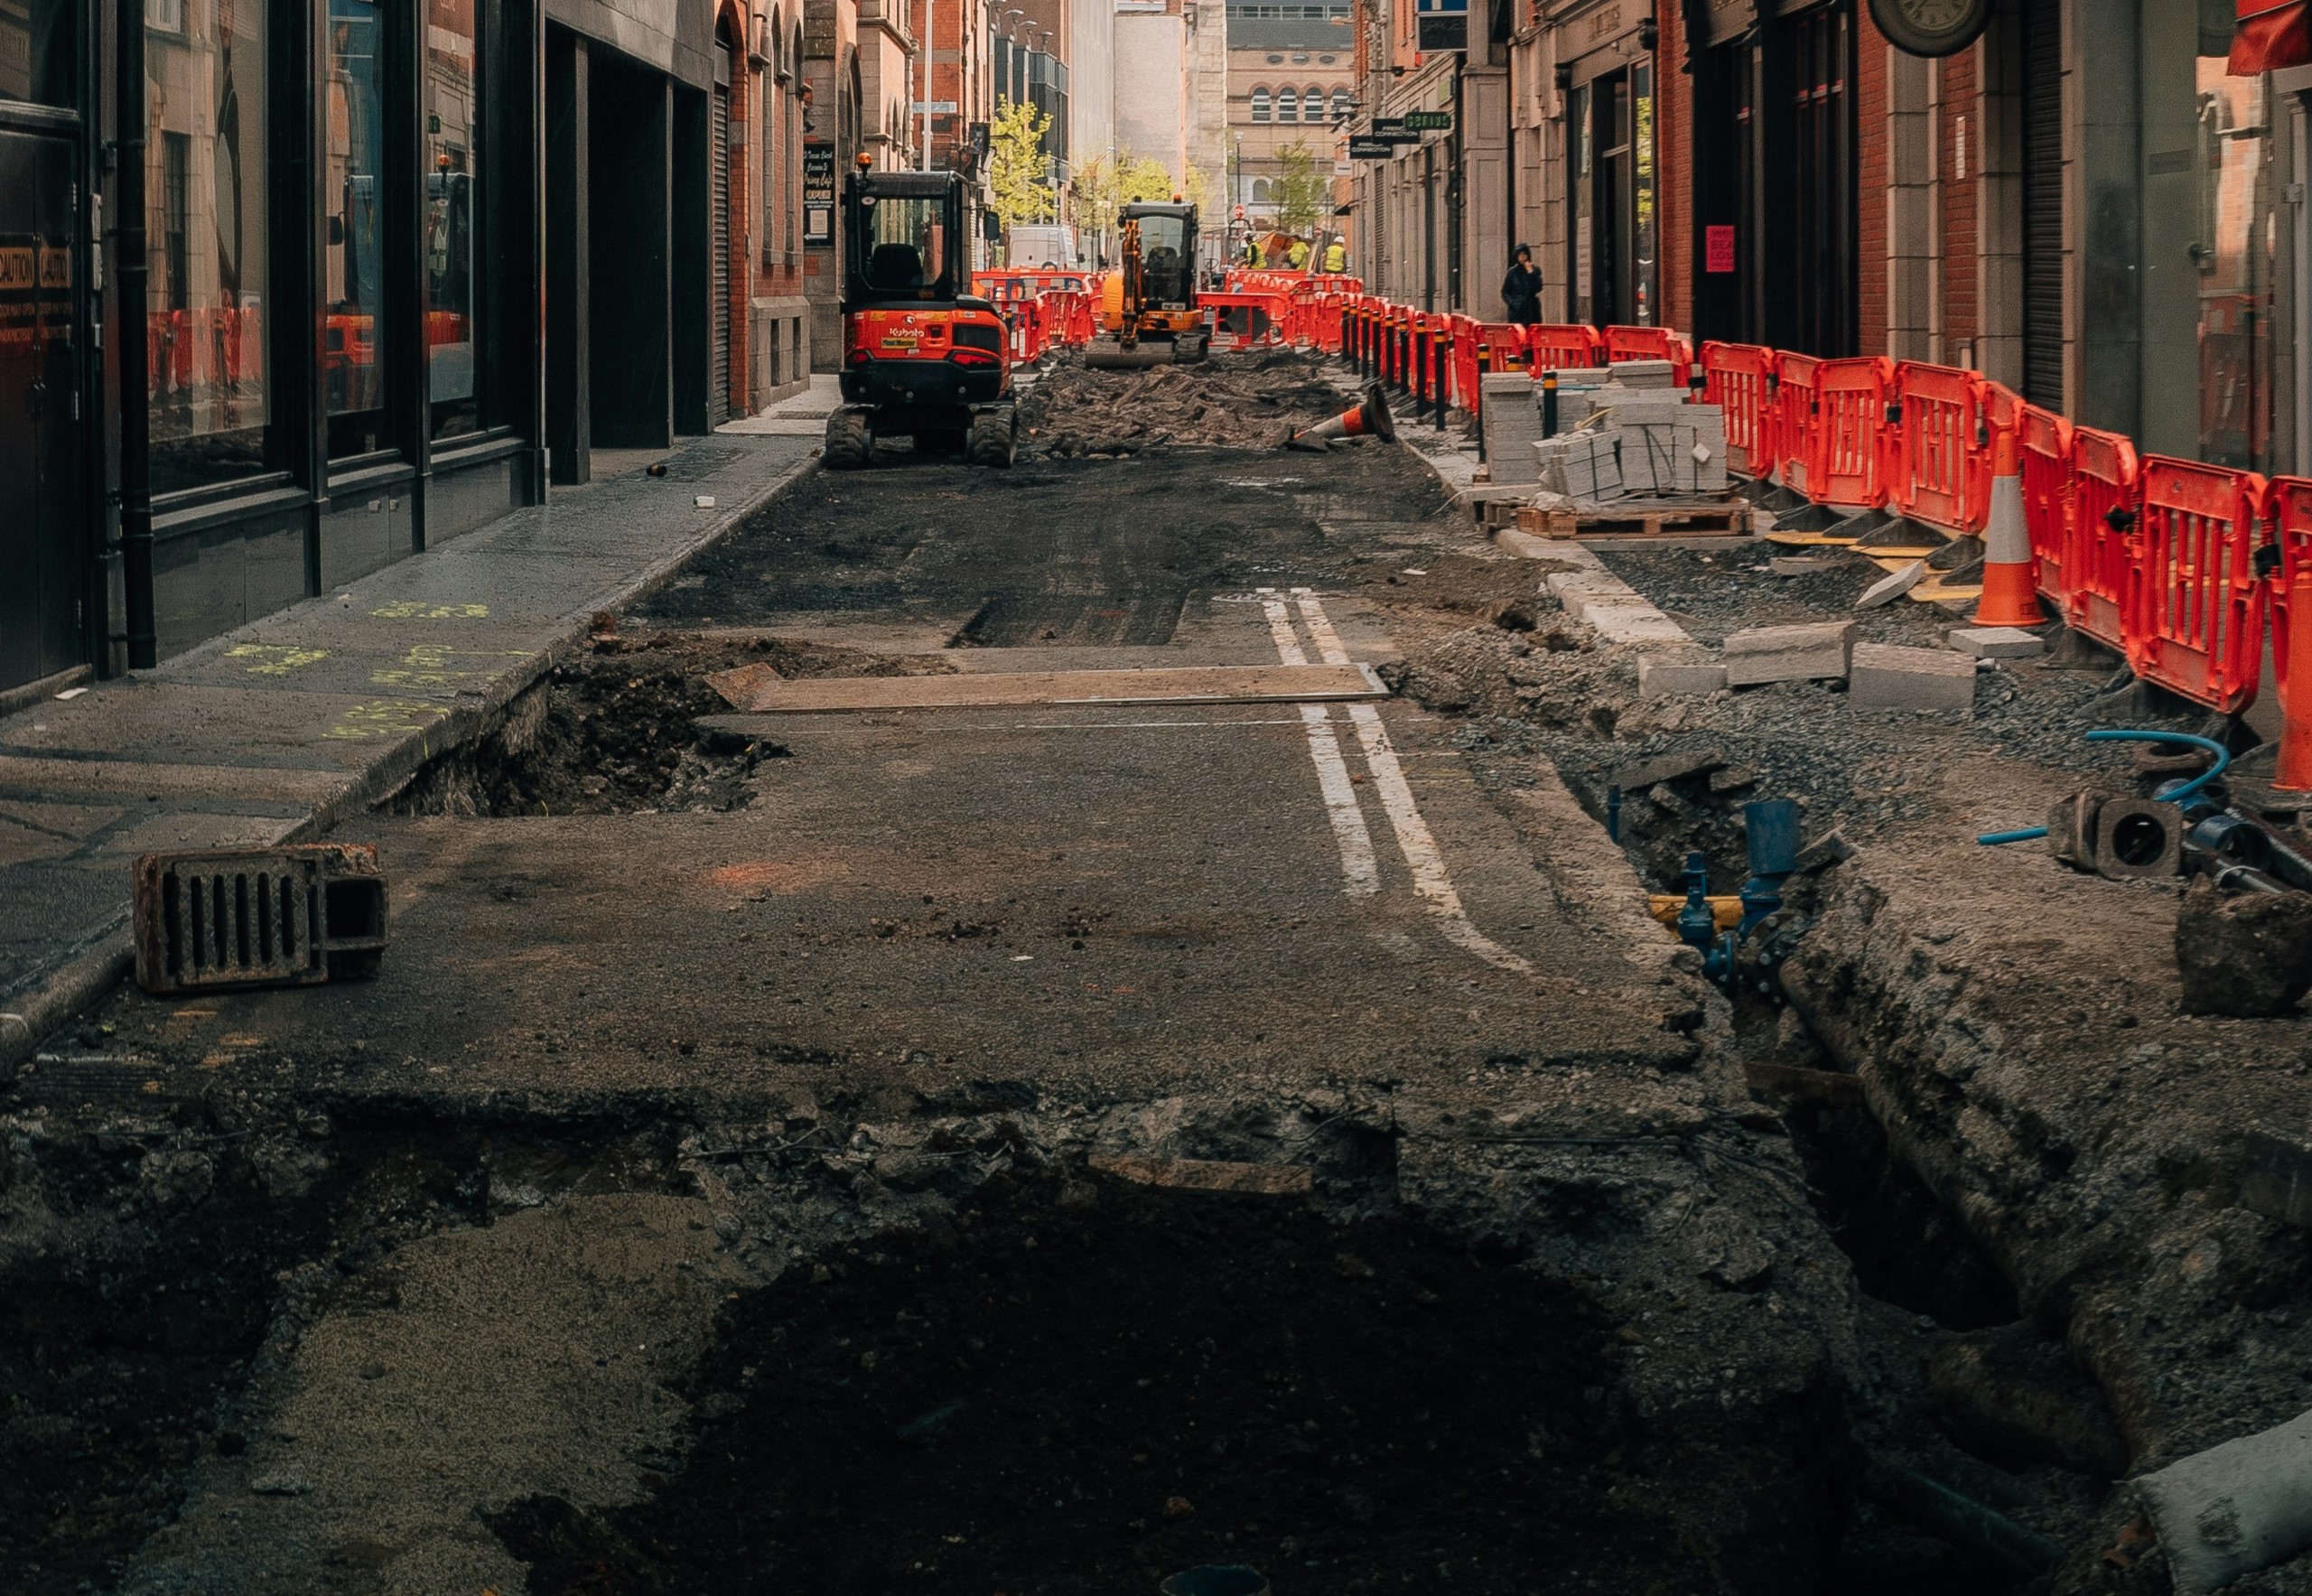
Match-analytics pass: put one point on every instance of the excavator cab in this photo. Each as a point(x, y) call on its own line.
point(923, 358)
point(1149, 314)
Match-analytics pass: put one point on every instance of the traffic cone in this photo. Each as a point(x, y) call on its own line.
point(1370, 419)
point(2295, 772)
point(2011, 591)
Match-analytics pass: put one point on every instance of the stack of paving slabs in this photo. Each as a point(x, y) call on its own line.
point(1670, 449)
point(1585, 464)
point(1643, 373)
point(1512, 420)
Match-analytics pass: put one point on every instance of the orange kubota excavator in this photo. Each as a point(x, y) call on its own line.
point(923, 358)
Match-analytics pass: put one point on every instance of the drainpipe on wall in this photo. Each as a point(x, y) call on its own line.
point(129, 263)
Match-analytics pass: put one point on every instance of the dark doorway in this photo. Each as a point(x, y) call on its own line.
point(629, 300)
point(569, 410)
point(1807, 182)
point(39, 429)
point(1725, 242)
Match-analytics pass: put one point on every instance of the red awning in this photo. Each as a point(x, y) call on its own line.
point(2267, 37)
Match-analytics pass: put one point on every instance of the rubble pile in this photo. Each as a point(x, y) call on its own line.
point(1237, 401)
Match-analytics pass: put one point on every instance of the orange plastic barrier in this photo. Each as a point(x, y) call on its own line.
point(2194, 621)
point(1848, 467)
point(1939, 447)
point(1503, 343)
point(1798, 420)
point(2288, 504)
point(1563, 346)
point(2098, 548)
point(1247, 317)
point(2043, 454)
point(1649, 344)
point(1739, 379)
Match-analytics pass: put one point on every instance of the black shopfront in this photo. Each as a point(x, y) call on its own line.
point(281, 322)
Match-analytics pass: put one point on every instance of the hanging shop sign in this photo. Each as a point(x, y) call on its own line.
point(1428, 121)
point(1392, 130)
point(1372, 149)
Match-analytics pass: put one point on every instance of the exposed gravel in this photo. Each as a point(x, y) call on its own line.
point(1236, 400)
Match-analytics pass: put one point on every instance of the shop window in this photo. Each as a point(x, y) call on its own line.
point(455, 190)
point(206, 243)
point(36, 50)
point(1287, 105)
point(1260, 105)
point(353, 310)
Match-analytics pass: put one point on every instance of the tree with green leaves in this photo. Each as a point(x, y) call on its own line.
point(1019, 188)
point(1301, 195)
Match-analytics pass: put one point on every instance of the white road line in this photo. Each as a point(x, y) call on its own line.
point(1360, 870)
point(1430, 877)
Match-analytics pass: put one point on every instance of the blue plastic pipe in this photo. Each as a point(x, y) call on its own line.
point(2222, 761)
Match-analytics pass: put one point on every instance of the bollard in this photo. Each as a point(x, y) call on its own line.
point(1444, 356)
point(1549, 404)
point(1422, 340)
point(1476, 399)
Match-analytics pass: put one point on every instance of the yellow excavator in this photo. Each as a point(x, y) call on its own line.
point(1148, 311)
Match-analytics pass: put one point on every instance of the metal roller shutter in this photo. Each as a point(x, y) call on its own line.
point(718, 377)
point(2043, 203)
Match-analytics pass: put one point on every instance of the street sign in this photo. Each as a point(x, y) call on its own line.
point(1372, 149)
point(1442, 24)
point(1429, 121)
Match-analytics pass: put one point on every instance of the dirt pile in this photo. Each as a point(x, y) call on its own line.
point(1239, 401)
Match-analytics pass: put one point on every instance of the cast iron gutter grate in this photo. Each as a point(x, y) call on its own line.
point(258, 916)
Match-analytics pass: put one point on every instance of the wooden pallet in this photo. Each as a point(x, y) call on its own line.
point(1641, 517)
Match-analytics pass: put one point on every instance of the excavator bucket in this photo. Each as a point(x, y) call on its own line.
point(1107, 353)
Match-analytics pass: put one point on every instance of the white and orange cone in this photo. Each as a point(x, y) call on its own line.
point(2011, 586)
point(1369, 420)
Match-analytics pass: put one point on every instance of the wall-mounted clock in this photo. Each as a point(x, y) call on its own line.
point(1931, 27)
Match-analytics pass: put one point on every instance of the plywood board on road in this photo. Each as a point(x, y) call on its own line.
point(1211, 684)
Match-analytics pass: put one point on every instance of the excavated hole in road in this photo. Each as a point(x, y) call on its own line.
point(613, 731)
point(1906, 1247)
point(1067, 1389)
point(155, 1266)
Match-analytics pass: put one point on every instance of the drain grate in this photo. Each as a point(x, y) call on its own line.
point(258, 916)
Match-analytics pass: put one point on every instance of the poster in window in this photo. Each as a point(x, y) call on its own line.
point(818, 195)
point(1718, 248)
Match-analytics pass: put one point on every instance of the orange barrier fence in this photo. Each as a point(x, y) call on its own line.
point(2097, 550)
point(1739, 377)
point(1248, 317)
point(1649, 344)
point(1849, 464)
point(2194, 619)
point(2043, 459)
point(1563, 346)
point(1933, 428)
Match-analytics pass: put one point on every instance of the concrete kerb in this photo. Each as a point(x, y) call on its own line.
point(105, 960)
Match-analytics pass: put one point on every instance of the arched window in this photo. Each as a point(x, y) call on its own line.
point(1287, 105)
point(1313, 103)
point(1260, 105)
point(1261, 191)
point(1342, 103)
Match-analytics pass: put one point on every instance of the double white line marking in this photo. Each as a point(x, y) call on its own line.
point(1360, 870)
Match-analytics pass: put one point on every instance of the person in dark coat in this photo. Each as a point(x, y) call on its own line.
point(1521, 289)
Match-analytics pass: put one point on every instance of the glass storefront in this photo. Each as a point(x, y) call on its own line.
point(207, 340)
point(454, 183)
point(353, 312)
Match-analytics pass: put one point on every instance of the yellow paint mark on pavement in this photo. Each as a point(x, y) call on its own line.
point(274, 660)
point(385, 717)
point(428, 666)
point(412, 609)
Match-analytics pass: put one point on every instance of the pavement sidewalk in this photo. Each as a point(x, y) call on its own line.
point(274, 731)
